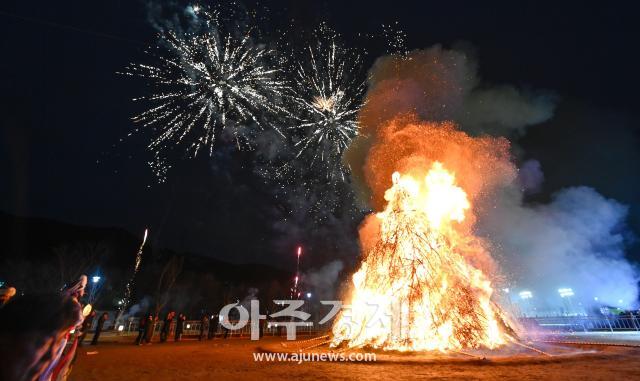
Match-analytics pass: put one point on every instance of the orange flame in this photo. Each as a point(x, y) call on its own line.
point(415, 290)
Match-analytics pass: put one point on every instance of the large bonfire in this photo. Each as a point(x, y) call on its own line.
point(418, 287)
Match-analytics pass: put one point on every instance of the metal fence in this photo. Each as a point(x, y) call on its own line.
point(584, 323)
point(559, 324)
point(192, 328)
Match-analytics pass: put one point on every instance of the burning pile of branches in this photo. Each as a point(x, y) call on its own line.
point(415, 290)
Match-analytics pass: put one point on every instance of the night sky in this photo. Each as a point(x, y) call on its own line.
point(63, 110)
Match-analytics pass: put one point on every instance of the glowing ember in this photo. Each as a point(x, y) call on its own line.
point(414, 289)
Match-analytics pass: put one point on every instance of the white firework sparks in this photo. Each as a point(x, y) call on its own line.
point(327, 94)
point(207, 82)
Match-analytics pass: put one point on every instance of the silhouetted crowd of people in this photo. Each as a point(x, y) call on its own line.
point(147, 325)
point(39, 334)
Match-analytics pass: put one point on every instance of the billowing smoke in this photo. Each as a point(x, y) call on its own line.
point(576, 241)
point(530, 176)
point(431, 105)
point(324, 280)
point(504, 110)
point(142, 307)
point(438, 84)
point(252, 294)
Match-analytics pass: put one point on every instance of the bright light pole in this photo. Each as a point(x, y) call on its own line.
point(507, 299)
point(95, 280)
point(566, 294)
point(526, 297)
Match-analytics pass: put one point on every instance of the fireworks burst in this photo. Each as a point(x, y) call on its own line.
point(326, 93)
point(207, 82)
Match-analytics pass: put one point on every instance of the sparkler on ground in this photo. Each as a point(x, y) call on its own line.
point(206, 82)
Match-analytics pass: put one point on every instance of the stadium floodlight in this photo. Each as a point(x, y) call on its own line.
point(565, 292)
point(526, 294)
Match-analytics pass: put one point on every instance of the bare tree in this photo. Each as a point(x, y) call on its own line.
point(78, 258)
point(170, 271)
point(166, 281)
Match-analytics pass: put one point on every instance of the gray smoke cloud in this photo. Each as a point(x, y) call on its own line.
point(504, 110)
point(576, 241)
point(444, 84)
point(438, 84)
point(324, 280)
point(530, 176)
point(252, 294)
point(142, 307)
point(169, 15)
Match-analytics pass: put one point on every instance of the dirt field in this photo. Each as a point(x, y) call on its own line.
point(234, 360)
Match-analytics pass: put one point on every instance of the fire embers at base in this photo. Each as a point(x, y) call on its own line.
point(415, 290)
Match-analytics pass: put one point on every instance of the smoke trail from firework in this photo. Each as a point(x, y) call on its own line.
point(207, 82)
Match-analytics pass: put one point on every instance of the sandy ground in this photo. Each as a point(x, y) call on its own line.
point(233, 359)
